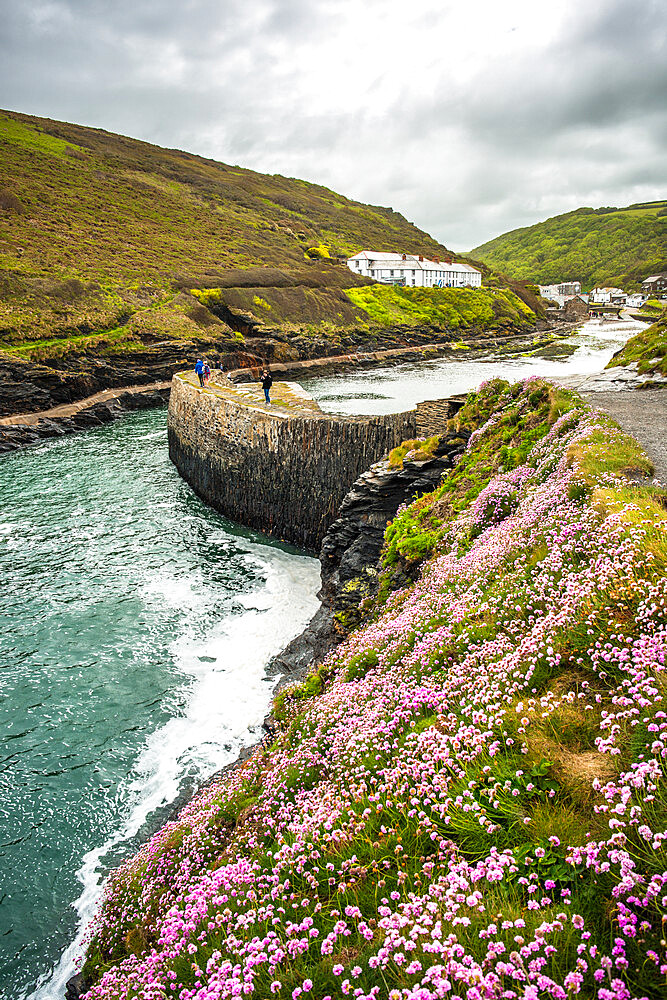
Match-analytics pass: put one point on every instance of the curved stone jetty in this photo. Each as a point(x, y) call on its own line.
point(282, 468)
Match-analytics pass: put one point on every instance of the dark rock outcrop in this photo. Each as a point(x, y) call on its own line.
point(350, 552)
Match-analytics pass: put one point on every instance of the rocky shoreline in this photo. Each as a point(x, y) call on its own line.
point(29, 429)
point(21, 429)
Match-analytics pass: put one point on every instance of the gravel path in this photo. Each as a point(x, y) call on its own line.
point(70, 409)
point(642, 413)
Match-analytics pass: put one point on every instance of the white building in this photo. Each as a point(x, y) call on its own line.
point(560, 291)
point(636, 300)
point(608, 296)
point(413, 270)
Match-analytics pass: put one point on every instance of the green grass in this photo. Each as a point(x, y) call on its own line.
point(647, 349)
point(652, 306)
point(443, 308)
point(37, 348)
point(419, 450)
point(607, 246)
point(31, 137)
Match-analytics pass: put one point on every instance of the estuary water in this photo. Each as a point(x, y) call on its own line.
point(396, 387)
point(135, 629)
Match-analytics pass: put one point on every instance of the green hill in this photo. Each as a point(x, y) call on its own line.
point(120, 262)
point(96, 225)
point(600, 246)
point(83, 203)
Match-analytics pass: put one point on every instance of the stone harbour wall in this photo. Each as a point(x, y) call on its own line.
point(284, 471)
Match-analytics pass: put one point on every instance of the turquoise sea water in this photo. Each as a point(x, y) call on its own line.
point(135, 628)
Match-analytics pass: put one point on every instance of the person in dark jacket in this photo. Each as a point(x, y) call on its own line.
point(267, 382)
point(199, 370)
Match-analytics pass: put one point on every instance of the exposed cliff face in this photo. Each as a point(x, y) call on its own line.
point(351, 548)
point(350, 552)
point(283, 470)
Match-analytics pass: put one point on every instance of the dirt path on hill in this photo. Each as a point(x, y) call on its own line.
point(642, 413)
point(70, 409)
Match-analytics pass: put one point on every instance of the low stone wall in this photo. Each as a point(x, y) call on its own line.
point(432, 415)
point(282, 471)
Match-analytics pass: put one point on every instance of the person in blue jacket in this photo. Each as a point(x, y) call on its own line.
point(199, 370)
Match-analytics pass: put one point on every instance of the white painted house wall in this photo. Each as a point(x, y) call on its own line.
point(606, 295)
point(412, 270)
point(560, 290)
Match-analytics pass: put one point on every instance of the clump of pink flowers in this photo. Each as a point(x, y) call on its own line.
point(482, 814)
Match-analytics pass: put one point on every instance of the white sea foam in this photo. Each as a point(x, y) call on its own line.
point(227, 697)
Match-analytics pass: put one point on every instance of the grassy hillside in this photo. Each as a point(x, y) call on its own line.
point(444, 308)
point(98, 227)
point(601, 246)
point(467, 798)
point(121, 262)
point(647, 349)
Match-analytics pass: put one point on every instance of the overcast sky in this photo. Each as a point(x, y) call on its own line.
point(470, 118)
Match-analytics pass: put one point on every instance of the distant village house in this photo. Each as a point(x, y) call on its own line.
point(413, 270)
point(655, 283)
point(608, 296)
point(561, 290)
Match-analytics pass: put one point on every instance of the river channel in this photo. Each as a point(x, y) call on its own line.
point(397, 387)
point(136, 625)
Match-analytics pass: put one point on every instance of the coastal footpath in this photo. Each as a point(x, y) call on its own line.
point(464, 797)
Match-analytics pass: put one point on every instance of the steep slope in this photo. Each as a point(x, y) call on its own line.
point(81, 202)
point(96, 226)
point(120, 262)
point(466, 798)
point(595, 246)
point(647, 351)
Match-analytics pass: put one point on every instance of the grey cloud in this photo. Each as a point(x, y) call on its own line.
point(583, 122)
